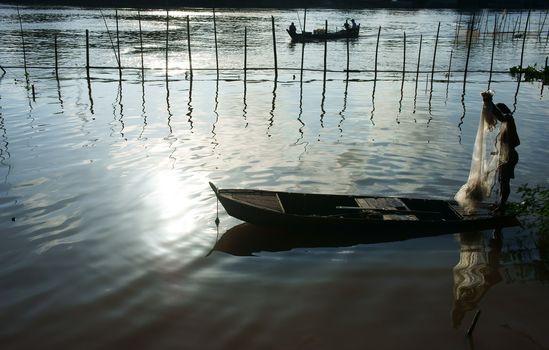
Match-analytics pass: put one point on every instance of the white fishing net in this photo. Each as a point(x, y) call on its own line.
point(484, 162)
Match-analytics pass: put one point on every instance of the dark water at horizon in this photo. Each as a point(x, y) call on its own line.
point(107, 219)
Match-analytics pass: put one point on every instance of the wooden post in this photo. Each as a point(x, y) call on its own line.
point(118, 46)
point(325, 48)
point(87, 54)
point(56, 60)
point(22, 42)
point(274, 48)
point(377, 48)
point(245, 52)
point(141, 45)
point(434, 57)
point(215, 40)
point(492, 58)
point(468, 51)
point(189, 46)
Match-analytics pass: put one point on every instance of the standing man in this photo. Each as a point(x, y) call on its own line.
point(508, 140)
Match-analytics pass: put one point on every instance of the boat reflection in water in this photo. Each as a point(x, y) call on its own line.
point(247, 239)
point(475, 273)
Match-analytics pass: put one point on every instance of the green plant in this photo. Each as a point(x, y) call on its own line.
point(535, 204)
point(530, 73)
point(534, 210)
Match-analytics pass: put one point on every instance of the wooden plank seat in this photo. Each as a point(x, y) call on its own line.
point(387, 204)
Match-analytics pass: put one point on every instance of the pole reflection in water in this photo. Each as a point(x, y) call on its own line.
point(4, 151)
point(462, 118)
point(373, 103)
point(342, 112)
point(475, 273)
point(121, 119)
point(90, 96)
point(216, 104)
point(59, 98)
point(189, 104)
point(271, 112)
point(143, 113)
point(322, 110)
point(170, 138)
point(245, 107)
point(168, 107)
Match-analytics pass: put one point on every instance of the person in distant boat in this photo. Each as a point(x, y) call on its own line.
point(292, 28)
point(346, 25)
point(353, 24)
point(508, 140)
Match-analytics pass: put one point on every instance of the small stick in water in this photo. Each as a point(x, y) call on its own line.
point(473, 324)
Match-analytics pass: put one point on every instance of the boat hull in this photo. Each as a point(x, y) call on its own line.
point(261, 210)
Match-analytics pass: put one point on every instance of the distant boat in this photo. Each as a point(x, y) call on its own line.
point(322, 35)
point(350, 213)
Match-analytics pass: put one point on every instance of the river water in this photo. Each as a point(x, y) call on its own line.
point(107, 220)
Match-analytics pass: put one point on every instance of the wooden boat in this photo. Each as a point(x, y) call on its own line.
point(322, 35)
point(349, 213)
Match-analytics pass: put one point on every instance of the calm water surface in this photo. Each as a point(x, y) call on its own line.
point(107, 220)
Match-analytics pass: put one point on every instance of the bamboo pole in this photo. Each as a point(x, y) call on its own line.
point(434, 57)
point(274, 48)
point(468, 52)
point(118, 46)
point(492, 58)
point(404, 60)
point(245, 52)
point(22, 42)
point(377, 48)
point(524, 38)
point(450, 65)
point(325, 49)
point(56, 57)
point(545, 77)
point(167, 41)
point(215, 42)
point(543, 23)
point(141, 46)
point(348, 58)
point(458, 27)
point(189, 46)
point(303, 49)
point(87, 54)
point(418, 59)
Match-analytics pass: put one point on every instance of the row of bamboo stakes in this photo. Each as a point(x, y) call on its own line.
point(116, 50)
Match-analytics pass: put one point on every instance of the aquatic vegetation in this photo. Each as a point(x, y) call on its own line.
point(534, 210)
point(531, 73)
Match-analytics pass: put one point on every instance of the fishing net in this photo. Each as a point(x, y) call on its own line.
point(484, 162)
